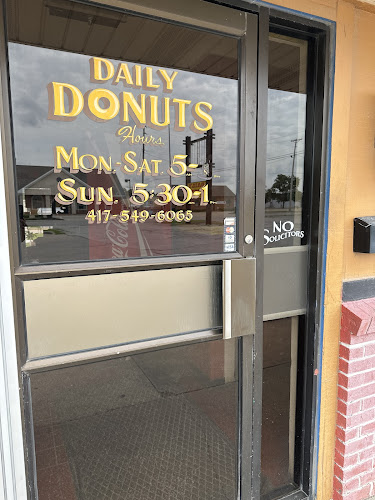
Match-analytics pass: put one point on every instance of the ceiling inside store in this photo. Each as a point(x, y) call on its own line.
point(77, 27)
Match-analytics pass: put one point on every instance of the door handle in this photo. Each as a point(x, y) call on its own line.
point(239, 294)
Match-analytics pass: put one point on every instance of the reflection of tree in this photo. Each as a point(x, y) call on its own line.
point(281, 191)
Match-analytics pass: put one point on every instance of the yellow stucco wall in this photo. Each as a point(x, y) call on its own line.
point(352, 189)
point(321, 8)
point(360, 185)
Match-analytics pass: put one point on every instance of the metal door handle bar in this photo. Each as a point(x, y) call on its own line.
point(239, 292)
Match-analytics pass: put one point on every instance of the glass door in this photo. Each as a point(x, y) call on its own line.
point(134, 145)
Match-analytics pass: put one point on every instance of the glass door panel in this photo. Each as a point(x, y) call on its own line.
point(280, 370)
point(160, 424)
point(126, 135)
point(286, 237)
point(286, 187)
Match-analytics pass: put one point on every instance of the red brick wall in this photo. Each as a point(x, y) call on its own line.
point(354, 476)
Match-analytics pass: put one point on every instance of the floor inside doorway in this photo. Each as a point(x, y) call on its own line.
point(165, 430)
point(158, 425)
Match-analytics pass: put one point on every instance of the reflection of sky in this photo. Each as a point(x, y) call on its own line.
point(32, 68)
point(286, 122)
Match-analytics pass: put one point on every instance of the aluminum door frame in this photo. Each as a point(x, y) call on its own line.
point(321, 35)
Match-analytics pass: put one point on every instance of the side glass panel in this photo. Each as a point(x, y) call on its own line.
point(156, 425)
point(125, 132)
point(287, 212)
point(280, 408)
point(285, 172)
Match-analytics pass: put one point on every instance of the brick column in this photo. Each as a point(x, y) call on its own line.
point(354, 476)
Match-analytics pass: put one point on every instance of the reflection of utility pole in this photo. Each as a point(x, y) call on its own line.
point(187, 143)
point(143, 153)
point(169, 150)
point(292, 176)
point(209, 136)
point(207, 166)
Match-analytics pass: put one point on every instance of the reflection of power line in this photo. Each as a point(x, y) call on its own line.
point(284, 154)
point(272, 140)
point(284, 158)
point(287, 155)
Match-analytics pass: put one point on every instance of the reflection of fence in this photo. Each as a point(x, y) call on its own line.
point(199, 151)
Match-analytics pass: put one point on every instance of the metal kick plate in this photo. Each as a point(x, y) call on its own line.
point(239, 292)
point(285, 282)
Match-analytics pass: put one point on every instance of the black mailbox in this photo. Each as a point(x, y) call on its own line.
point(364, 234)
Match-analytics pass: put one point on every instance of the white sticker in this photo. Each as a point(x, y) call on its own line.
point(229, 240)
point(229, 247)
point(230, 221)
point(281, 230)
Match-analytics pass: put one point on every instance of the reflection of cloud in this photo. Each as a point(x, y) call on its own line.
point(286, 122)
point(32, 68)
point(29, 113)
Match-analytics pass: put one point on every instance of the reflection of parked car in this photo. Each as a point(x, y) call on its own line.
point(44, 211)
point(49, 211)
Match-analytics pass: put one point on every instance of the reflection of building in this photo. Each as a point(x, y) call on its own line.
point(37, 187)
point(223, 197)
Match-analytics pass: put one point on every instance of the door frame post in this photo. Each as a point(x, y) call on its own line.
point(13, 484)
